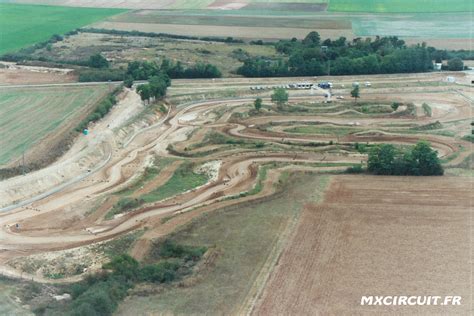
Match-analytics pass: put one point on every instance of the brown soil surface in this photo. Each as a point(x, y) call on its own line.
point(376, 236)
point(23, 76)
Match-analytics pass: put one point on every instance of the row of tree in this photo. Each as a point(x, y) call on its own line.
point(311, 57)
point(142, 70)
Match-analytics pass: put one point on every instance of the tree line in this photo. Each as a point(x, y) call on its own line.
point(143, 70)
point(312, 56)
point(228, 39)
point(102, 108)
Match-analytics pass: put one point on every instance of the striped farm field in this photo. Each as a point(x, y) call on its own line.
point(28, 115)
point(401, 6)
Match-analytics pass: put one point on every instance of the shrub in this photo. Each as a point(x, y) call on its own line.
point(455, 64)
point(100, 111)
point(129, 203)
point(469, 138)
point(93, 75)
point(355, 169)
point(163, 272)
point(395, 105)
point(170, 249)
point(123, 265)
point(427, 109)
point(98, 61)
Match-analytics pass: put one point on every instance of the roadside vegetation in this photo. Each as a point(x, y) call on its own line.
point(101, 110)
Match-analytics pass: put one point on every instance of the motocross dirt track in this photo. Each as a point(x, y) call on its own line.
point(52, 206)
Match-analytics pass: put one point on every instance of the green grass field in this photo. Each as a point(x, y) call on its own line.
point(23, 25)
point(401, 6)
point(29, 114)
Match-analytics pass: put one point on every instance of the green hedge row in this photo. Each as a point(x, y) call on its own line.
point(101, 110)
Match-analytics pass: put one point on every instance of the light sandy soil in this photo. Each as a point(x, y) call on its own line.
point(11, 74)
point(52, 206)
point(377, 236)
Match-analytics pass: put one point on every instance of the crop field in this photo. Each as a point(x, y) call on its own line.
point(23, 25)
point(400, 6)
point(443, 30)
point(226, 20)
point(245, 32)
point(426, 25)
point(184, 4)
point(384, 235)
point(27, 115)
point(439, 23)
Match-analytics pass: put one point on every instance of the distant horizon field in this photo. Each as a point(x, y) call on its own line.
point(400, 6)
point(258, 24)
point(22, 25)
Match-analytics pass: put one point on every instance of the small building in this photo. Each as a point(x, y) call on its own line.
point(304, 85)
